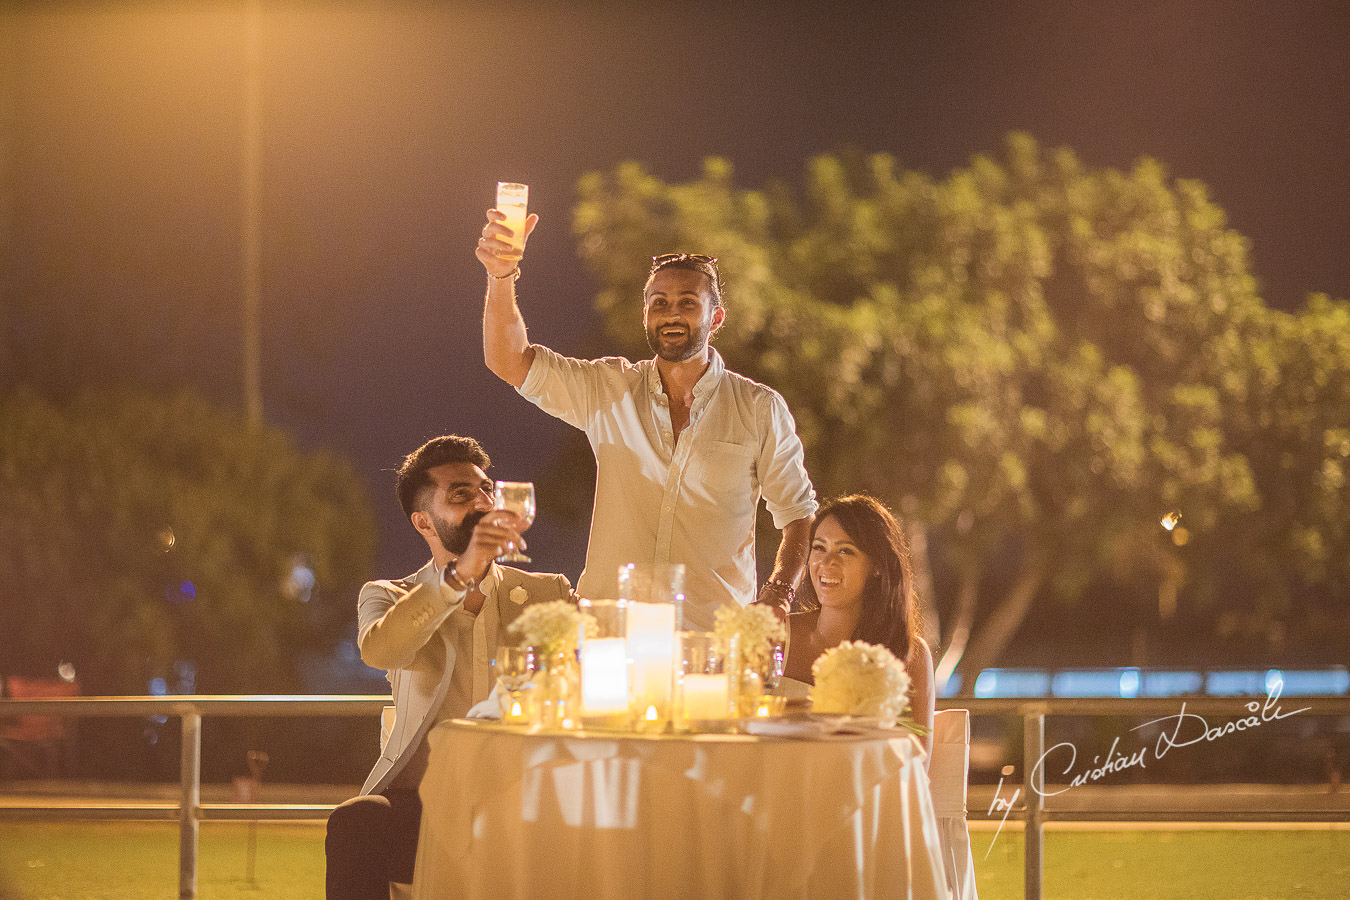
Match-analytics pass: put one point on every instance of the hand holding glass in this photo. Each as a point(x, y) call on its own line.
point(515, 497)
point(511, 200)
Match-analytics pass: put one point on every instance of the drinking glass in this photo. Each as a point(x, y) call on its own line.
point(512, 199)
point(513, 666)
point(515, 497)
point(514, 670)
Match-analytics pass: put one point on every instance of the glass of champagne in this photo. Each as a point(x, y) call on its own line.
point(515, 497)
point(512, 199)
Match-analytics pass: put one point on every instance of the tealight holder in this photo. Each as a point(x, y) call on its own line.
point(768, 706)
point(516, 705)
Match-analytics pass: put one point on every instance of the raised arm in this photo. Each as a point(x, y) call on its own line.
point(506, 347)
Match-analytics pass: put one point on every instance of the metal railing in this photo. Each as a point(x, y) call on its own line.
point(1217, 712)
point(192, 709)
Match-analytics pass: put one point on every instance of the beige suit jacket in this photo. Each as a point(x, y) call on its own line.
point(399, 630)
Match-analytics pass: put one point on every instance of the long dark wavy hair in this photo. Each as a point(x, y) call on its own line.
point(890, 607)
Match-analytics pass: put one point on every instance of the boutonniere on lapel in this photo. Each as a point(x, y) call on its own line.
point(519, 595)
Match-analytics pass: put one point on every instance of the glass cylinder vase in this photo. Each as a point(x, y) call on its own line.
point(653, 595)
point(557, 692)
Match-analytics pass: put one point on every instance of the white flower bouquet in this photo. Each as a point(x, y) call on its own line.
point(551, 627)
point(756, 626)
point(860, 679)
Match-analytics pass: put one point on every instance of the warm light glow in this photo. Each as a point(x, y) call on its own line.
point(652, 714)
point(516, 711)
point(768, 706)
point(1170, 520)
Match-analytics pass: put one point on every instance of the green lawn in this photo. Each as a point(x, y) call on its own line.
point(1177, 865)
point(139, 861)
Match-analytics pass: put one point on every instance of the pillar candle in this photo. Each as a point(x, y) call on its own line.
point(705, 697)
point(651, 647)
point(604, 676)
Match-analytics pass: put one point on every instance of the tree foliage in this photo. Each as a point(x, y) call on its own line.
point(139, 534)
point(1035, 359)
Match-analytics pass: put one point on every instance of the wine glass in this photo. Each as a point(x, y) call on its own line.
point(514, 669)
point(515, 497)
point(513, 666)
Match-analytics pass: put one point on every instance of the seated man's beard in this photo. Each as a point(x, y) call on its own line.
point(455, 538)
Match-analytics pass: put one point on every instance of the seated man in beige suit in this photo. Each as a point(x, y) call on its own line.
point(436, 632)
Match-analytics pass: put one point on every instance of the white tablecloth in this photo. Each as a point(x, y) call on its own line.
point(517, 815)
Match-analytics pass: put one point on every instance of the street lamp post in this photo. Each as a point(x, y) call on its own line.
point(252, 202)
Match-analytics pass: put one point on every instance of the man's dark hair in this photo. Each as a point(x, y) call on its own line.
point(411, 481)
point(692, 262)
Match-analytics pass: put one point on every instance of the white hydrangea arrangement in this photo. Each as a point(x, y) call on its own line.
point(860, 679)
point(757, 627)
point(552, 627)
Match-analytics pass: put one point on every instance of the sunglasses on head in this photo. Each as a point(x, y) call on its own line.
point(667, 259)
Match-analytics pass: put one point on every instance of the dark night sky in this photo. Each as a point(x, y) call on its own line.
point(385, 126)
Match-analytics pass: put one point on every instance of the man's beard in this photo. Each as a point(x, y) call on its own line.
point(693, 345)
point(455, 538)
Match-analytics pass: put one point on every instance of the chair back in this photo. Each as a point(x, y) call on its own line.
point(949, 767)
point(949, 772)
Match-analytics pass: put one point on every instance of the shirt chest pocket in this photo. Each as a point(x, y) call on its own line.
point(723, 469)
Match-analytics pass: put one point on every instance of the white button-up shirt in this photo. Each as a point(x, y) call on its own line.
point(691, 502)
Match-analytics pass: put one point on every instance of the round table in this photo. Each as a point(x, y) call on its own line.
point(509, 813)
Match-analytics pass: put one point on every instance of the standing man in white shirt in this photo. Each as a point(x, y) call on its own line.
point(684, 448)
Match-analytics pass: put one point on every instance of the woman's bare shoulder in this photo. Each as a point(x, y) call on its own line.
point(802, 622)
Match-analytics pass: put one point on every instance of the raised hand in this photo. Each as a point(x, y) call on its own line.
point(495, 534)
point(493, 251)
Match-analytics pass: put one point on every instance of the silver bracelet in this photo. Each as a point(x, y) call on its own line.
point(458, 581)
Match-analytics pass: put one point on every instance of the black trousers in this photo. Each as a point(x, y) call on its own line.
point(371, 841)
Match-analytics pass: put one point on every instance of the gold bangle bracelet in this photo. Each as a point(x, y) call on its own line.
point(514, 273)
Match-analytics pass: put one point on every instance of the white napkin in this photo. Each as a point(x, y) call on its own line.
point(488, 709)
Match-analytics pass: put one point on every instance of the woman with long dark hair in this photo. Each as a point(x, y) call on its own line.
point(859, 577)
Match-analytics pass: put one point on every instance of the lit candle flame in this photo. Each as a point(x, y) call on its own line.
point(762, 711)
point(516, 711)
point(1171, 520)
point(652, 714)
